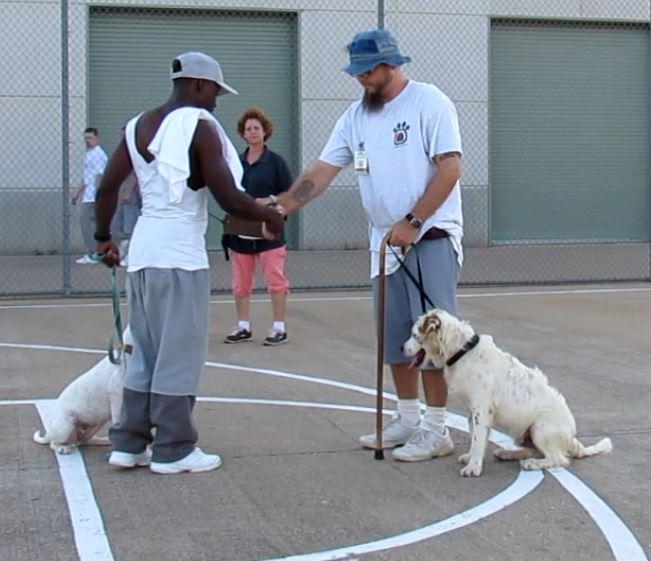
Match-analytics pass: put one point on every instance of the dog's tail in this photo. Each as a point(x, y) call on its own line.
point(39, 438)
point(577, 450)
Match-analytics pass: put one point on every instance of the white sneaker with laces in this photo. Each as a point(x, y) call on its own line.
point(127, 460)
point(394, 433)
point(275, 338)
point(426, 443)
point(85, 260)
point(195, 462)
point(239, 335)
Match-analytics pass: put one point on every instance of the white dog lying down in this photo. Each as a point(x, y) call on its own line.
point(87, 404)
point(500, 391)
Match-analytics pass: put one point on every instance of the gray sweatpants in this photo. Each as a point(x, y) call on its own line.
point(87, 223)
point(168, 316)
point(440, 271)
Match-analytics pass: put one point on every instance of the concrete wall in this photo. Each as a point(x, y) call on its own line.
point(448, 41)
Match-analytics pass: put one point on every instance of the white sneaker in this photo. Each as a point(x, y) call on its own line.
point(85, 260)
point(426, 443)
point(394, 433)
point(123, 262)
point(127, 460)
point(195, 462)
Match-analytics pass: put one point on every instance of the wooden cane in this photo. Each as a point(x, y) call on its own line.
point(379, 401)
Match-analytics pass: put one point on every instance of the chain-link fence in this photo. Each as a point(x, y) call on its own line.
point(553, 99)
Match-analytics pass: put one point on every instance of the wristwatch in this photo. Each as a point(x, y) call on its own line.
point(273, 200)
point(414, 221)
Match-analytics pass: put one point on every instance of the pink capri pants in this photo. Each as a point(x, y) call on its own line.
point(273, 268)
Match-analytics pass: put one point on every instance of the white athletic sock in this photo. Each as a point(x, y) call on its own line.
point(278, 326)
point(435, 417)
point(409, 410)
point(244, 325)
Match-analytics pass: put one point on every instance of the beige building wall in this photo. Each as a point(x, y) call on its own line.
point(448, 41)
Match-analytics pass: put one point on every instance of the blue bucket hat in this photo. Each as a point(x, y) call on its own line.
point(371, 48)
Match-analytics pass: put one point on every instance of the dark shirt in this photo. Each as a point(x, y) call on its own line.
point(269, 175)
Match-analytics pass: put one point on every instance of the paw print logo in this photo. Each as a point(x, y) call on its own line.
point(400, 133)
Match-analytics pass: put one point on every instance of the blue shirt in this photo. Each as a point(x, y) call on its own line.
point(269, 175)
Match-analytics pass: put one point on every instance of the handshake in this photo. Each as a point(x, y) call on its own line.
point(270, 228)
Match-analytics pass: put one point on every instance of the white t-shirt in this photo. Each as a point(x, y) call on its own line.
point(170, 232)
point(400, 141)
point(94, 163)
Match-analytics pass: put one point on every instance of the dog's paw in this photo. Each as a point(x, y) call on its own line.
point(97, 441)
point(473, 469)
point(463, 459)
point(532, 464)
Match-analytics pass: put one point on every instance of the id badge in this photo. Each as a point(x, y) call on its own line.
point(360, 159)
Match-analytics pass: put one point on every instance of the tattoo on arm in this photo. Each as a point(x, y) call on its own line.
point(303, 192)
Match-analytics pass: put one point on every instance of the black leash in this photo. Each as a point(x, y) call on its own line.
point(418, 283)
point(469, 345)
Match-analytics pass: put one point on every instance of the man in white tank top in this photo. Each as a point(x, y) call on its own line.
point(175, 150)
point(403, 138)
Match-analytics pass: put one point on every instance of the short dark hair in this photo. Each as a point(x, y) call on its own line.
point(91, 130)
point(259, 115)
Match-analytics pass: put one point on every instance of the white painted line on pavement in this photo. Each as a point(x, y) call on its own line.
point(621, 540)
point(54, 306)
point(87, 524)
point(299, 377)
point(51, 348)
point(18, 402)
point(92, 543)
point(523, 485)
point(288, 403)
point(623, 543)
point(461, 295)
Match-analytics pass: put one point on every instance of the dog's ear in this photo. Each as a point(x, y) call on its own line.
point(431, 323)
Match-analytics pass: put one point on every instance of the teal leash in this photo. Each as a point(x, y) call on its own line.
point(116, 344)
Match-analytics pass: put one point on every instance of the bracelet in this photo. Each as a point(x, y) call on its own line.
point(101, 237)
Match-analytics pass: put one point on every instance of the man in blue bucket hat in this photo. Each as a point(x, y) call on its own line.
point(370, 48)
point(403, 140)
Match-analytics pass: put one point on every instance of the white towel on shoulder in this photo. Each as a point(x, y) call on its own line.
point(171, 144)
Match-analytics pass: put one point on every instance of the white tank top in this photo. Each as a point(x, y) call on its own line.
point(170, 233)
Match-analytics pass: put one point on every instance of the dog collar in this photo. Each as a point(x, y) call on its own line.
point(469, 346)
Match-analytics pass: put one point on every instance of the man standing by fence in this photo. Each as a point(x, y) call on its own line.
point(94, 163)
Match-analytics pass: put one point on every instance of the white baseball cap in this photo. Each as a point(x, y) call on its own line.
point(200, 67)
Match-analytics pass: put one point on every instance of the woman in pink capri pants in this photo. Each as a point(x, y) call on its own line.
point(266, 174)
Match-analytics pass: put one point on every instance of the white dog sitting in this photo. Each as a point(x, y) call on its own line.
point(500, 391)
point(87, 404)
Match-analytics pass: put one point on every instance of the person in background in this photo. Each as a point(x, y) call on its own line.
point(266, 175)
point(95, 161)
